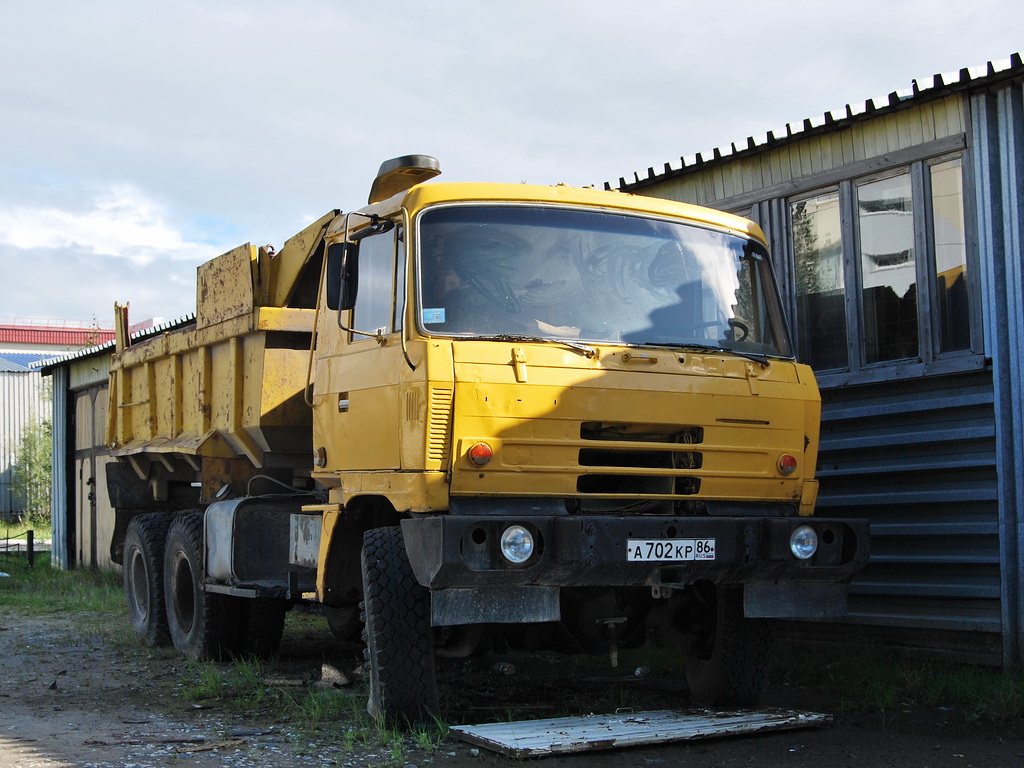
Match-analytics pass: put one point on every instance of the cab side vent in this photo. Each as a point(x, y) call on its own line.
point(439, 421)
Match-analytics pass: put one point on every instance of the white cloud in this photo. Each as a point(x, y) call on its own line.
point(120, 221)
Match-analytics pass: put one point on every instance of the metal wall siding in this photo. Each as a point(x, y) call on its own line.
point(23, 398)
point(917, 457)
point(59, 490)
point(998, 131)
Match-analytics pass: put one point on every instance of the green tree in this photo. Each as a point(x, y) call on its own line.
point(33, 469)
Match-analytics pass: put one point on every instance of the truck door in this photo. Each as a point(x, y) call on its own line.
point(367, 375)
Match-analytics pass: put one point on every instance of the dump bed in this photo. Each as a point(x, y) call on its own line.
point(232, 383)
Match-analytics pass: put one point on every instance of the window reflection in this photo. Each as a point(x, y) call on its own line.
point(888, 269)
point(376, 273)
point(594, 276)
point(950, 256)
point(821, 298)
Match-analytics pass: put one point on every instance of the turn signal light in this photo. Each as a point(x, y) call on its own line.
point(480, 454)
point(787, 464)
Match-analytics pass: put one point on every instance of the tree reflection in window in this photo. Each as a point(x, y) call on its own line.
point(820, 288)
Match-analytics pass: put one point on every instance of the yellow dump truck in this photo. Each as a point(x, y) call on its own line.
point(472, 416)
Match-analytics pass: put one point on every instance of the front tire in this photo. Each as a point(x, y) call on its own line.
point(143, 577)
point(403, 682)
point(203, 625)
point(726, 660)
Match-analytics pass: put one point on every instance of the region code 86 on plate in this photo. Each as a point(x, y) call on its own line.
point(669, 550)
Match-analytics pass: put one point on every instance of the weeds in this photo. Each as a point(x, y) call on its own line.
point(46, 590)
point(876, 679)
point(203, 681)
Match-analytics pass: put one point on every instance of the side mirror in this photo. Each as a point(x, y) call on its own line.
point(342, 275)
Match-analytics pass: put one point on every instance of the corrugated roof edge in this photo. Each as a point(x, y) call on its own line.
point(927, 88)
point(171, 325)
point(9, 366)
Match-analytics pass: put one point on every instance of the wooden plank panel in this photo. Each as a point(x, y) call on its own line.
point(916, 127)
point(940, 118)
point(849, 153)
point(901, 129)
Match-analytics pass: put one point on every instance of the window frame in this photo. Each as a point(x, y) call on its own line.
point(929, 359)
point(396, 237)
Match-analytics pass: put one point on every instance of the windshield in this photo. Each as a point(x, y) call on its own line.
point(594, 276)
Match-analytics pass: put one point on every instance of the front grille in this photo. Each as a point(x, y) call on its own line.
point(630, 447)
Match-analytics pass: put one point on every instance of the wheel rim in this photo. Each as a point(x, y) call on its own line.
point(139, 592)
point(184, 597)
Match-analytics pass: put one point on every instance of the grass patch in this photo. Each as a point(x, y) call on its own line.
point(876, 679)
point(319, 715)
point(40, 527)
point(46, 590)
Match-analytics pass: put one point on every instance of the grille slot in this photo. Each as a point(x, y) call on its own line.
point(645, 485)
point(620, 431)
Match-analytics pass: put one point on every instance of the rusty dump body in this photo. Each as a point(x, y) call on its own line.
point(230, 387)
point(480, 416)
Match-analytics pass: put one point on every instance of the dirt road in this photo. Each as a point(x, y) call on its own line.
point(74, 694)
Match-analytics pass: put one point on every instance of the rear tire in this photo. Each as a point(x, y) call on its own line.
point(727, 660)
point(403, 683)
point(344, 622)
point(203, 625)
point(143, 577)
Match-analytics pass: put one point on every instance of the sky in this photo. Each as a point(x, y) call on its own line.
point(138, 139)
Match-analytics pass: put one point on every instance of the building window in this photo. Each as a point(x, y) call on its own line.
point(820, 285)
point(881, 269)
point(885, 219)
point(950, 255)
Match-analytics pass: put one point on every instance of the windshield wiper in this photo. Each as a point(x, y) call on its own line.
point(583, 349)
point(753, 356)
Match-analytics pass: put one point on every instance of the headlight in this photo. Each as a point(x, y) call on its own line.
point(803, 543)
point(517, 544)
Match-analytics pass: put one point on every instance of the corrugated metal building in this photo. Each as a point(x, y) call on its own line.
point(83, 520)
point(24, 398)
point(896, 228)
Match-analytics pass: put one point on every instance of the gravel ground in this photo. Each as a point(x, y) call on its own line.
point(75, 693)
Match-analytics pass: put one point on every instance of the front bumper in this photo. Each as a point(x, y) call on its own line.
point(458, 558)
point(454, 551)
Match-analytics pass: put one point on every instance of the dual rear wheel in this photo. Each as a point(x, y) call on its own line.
point(164, 568)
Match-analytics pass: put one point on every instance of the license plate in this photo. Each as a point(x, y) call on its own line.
point(669, 550)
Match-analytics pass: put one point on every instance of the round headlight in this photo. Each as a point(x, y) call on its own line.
point(804, 542)
point(517, 544)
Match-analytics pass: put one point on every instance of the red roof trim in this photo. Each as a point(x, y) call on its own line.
point(72, 337)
